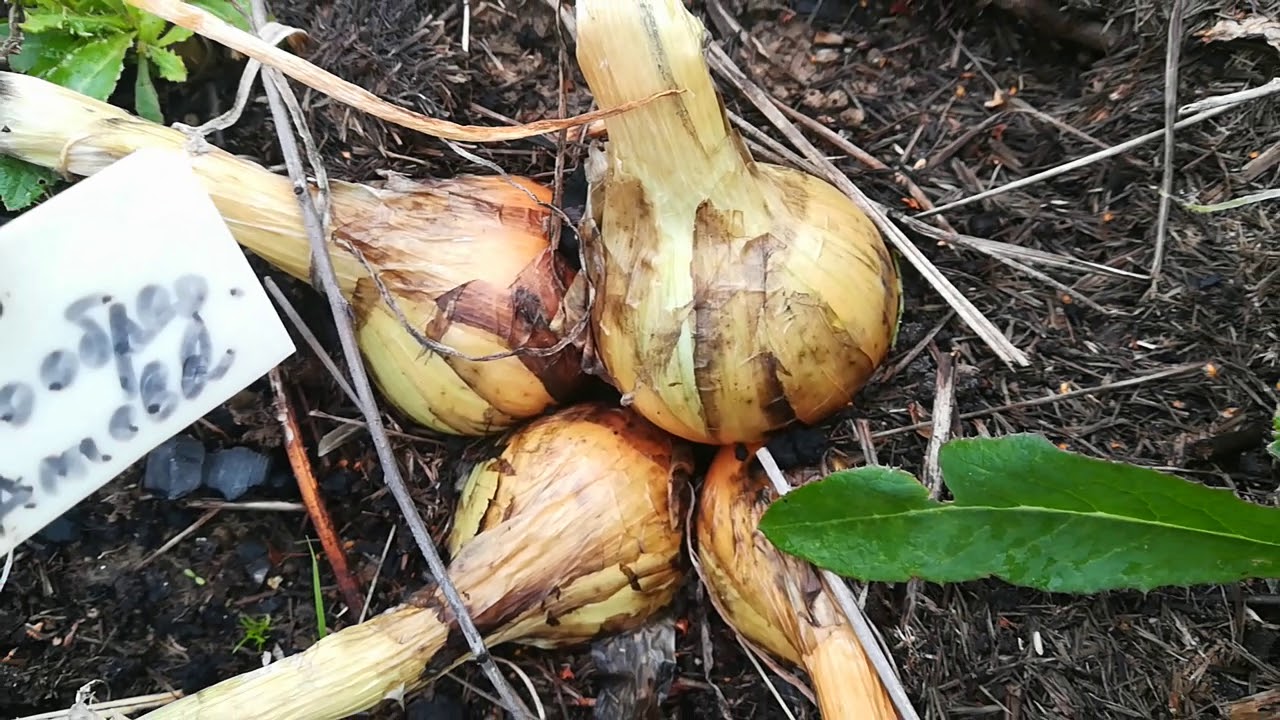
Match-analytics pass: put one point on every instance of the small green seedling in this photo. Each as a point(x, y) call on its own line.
point(317, 595)
point(256, 631)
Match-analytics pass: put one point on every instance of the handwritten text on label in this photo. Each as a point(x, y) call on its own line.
point(121, 333)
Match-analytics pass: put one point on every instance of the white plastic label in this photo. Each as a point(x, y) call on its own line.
point(127, 312)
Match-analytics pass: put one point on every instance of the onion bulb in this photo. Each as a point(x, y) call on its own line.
point(729, 298)
point(468, 260)
point(774, 600)
point(572, 532)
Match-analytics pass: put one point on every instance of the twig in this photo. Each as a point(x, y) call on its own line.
point(849, 606)
point(1173, 55)
point(773, 689)
point(310, 491)
point(1049, 399)
point(322, 265)
point(862, 428)
point(1081, 162)
point(255, 505)
point(200, 522)
point(382, 559)
point(997, 248)
point(312, 341)
point(1271, 87)
point(944, 402)
point(862, 156)
point(206, 24)
point(919, 347)
point(943, 409)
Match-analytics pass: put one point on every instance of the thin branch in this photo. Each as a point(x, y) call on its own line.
point(310, 491)
point(1050, 399)
point(1082, 162)
point(1172, 57)
point(1271, 87)
point(849, 606)
point(277, 89)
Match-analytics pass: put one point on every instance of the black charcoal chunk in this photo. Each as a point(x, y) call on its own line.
point(175, 468)
point(234, 470)
point(256, 558)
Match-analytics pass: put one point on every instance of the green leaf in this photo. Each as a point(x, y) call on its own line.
point(94, 67)
point(146, 101)
point(1032, 515)
point(225, 11)
point(22, 183)
point(168, 64)
point(71, 23)
point(150, 27)
point(176, 34)
point(41, 53)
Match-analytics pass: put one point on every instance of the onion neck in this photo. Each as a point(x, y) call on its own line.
point(844, 680)
point(345, 673)
point(680, 147)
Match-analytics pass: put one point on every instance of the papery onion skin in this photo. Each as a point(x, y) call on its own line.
point(467, 259)
point(777, 601)
point(729, 298)
point(572, 532)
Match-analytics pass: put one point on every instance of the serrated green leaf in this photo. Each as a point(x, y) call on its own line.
point(168, 64)
point(74, 24)
point(224, 10)
point(146, 101)
point(41, 53)
point(150, 27)
point(22, 183)
point(93, 68)
point(175, 34)
point(1030, 514)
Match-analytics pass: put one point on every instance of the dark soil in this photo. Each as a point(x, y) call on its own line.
point(909, 82)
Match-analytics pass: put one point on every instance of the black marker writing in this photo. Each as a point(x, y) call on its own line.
point(95, 344)
point(16, 403)
point(13, 495)
point(122, 426)
point(58, 369)
point(70, 464)
point(121, 333)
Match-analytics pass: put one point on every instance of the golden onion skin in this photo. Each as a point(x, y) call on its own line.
point(776, 601)
point(571, 532)
point(481, 279)
point(729, 298)
point(467, 259)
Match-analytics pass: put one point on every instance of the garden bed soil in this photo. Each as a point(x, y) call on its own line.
point(915, 85)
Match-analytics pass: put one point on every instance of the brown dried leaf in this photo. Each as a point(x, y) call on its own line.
point(1254, 26)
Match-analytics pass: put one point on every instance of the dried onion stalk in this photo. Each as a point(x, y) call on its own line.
point(572, 532)
point(729, 298)
point(776, 601)
point(468, 260)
